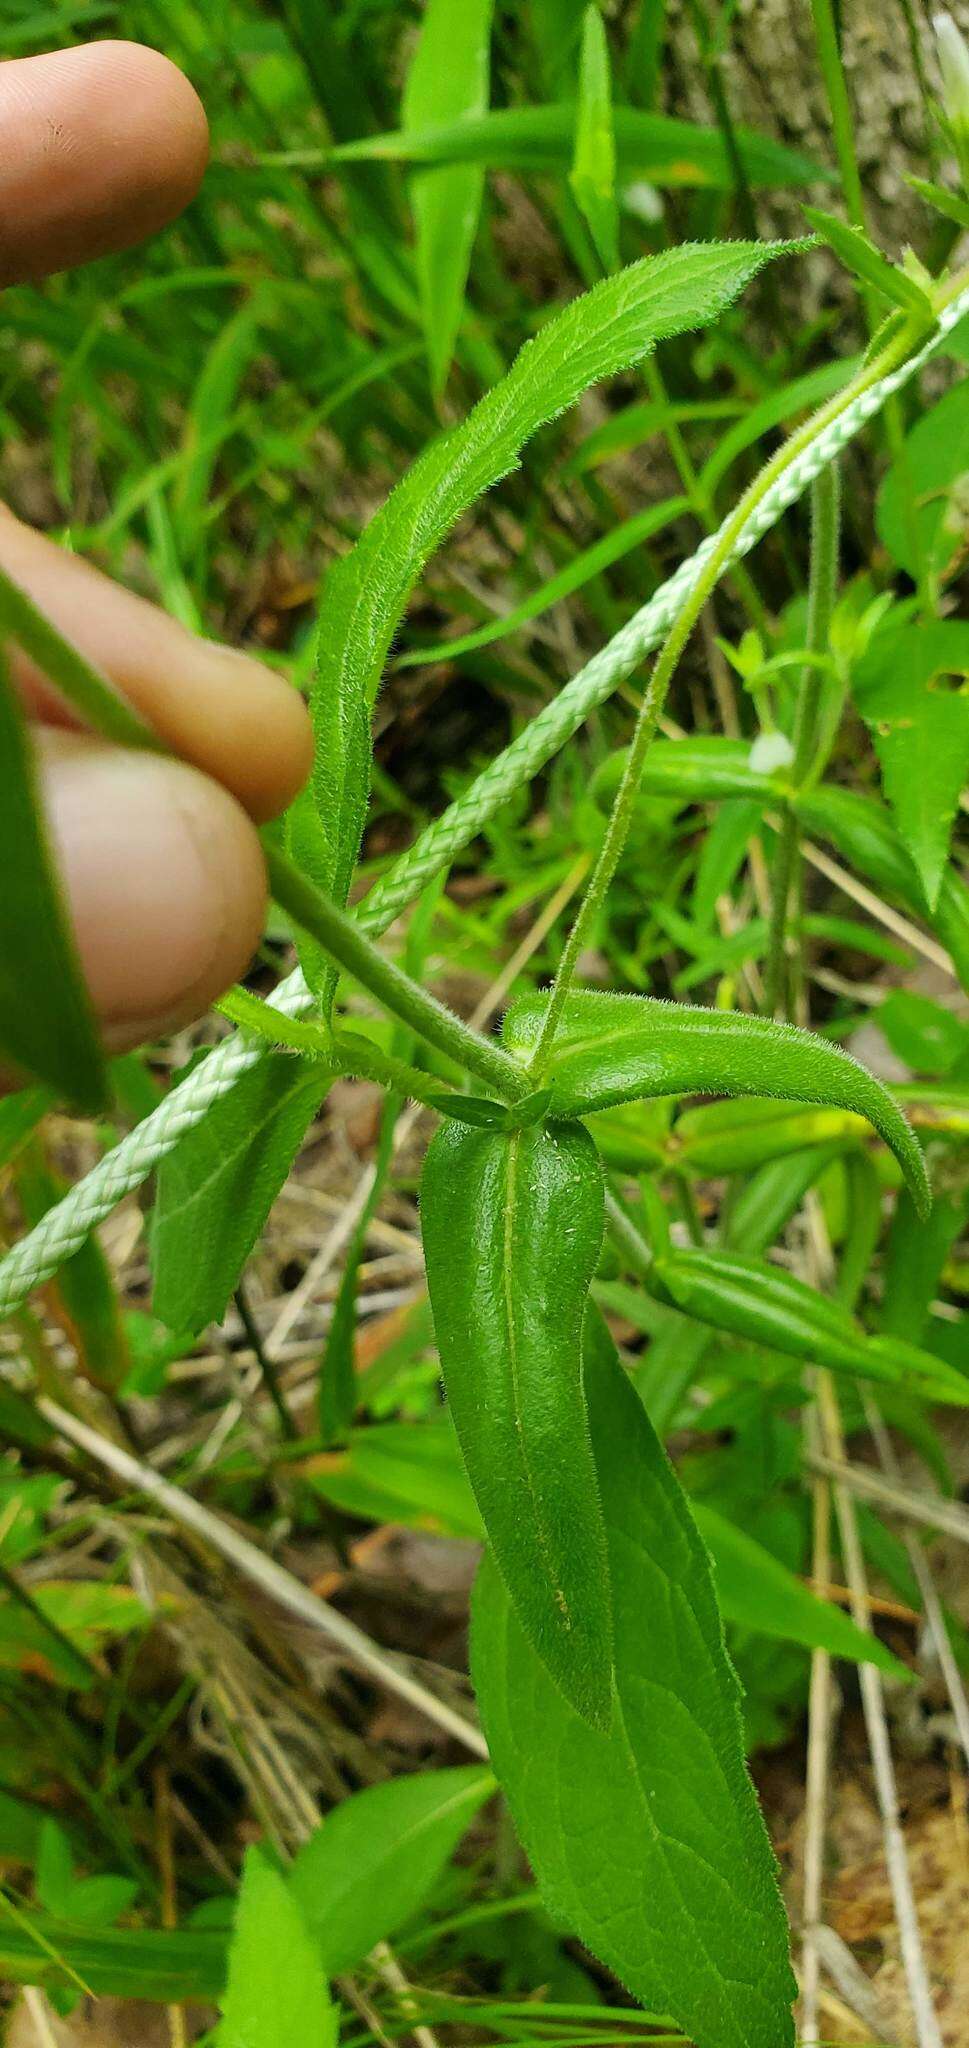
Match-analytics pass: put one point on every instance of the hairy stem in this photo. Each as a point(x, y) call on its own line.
point(667, 661)
point(825, 526)
point(345, 943)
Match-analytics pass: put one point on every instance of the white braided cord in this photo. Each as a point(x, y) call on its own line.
point(65, 1227)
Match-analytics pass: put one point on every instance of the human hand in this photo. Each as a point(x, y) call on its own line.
point(100, 146)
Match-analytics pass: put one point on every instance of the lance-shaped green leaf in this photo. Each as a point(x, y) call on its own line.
point(512, 1227)
point(593, 173)
point(860, 255)
point(660, 147)
point(702, 769)
point(447, 80)
point(919, 726)
point(645, 1838)
point(757, 1592)
point(216, 1188)
point(46, 1026)
point(613, 1048)
point(276, 1993)
point(375, 1858)
point(750, 1299)
point(861, 829)
point(604, 331)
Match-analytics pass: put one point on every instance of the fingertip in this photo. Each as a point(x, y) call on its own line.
point(161, 101)
point(252, 730)
point(100, 146)
point(165, 880)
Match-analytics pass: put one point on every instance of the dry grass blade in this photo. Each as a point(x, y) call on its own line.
point(928, 2032)
point(263, 1572)
point(934, 1615)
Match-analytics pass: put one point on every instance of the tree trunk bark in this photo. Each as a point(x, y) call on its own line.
point(772, 80)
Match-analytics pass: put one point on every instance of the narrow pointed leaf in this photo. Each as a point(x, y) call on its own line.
point(512, 1227)
point(216, 1188)
point(593, 173)
point(758, 1593)
point(751, 1299)
point(375, 1858)
point(276, 1993)
point(447, 80)
point(605, 330)
point(613, 1048)
point(645, 1838)
point(659, 147)
point(919, 724)
point(860, 256)
point(47, 1029)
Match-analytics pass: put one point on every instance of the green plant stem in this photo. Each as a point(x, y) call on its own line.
point(825, 527)
point(654, 698)
point(839, 107)
point(349, 947)
point(836, 88)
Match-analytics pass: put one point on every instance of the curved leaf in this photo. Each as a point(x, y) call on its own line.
point(603, 331)
point(645, 1838)
point(757, 1592)
point(761, 1303)
point(660, 147)
point(370, 1865)
point(613, 1048)
point(512, 1227)
point(447, 79)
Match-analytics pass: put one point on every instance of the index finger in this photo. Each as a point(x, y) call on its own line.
point(99, 146)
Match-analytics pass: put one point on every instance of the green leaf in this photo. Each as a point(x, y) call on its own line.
point(859, 255)
point(593, 173)
point(19, 1116)
point(914, 1261)
point(87, 1901)
point(612, 1048)
point(604, 331)
point(47, 1030)
point(645, 1838)
point(216, 1187)
point(447, 80)
point(920, 728)
point(923, 496)
point(757, 1592)
point(861, 829)
point(944, 201)
point(512, 1227)
point(83, 1292)
point(928, 1036)
point(276, 1993)
point(119, 1962)
point(376, 1857)
point(404, 1472)
point(761, 1303)
point(654, 146)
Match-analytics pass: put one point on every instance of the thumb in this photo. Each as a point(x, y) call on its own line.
point(164, 878)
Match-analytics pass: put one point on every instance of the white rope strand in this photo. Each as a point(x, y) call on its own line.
point(66, 1226)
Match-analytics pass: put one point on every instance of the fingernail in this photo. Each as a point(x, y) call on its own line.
point(165, 880)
